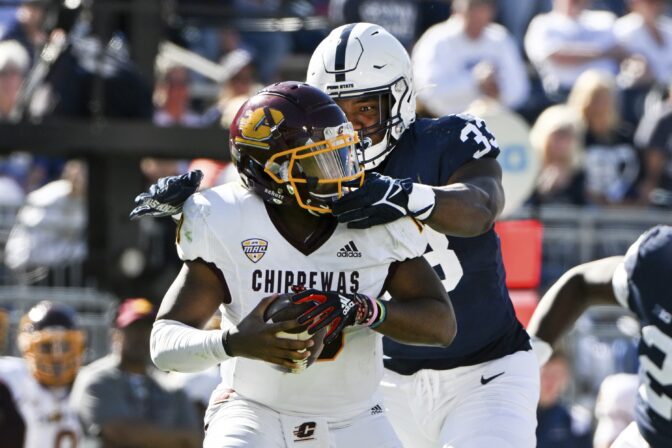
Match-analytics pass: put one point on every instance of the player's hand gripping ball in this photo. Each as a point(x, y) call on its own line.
point(283, 309)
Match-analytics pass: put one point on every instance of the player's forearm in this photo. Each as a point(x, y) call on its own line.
point(579, 288)
point(463, 210)
point(559, 308)
point(178, 347)
point(421, 322)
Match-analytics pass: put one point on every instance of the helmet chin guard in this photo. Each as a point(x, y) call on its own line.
point(362, 59)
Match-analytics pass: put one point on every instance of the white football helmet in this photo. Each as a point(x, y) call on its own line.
point(362, 59)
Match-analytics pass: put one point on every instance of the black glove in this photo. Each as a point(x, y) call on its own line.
point(383, 199)
point(338, 311)
point(166, 197)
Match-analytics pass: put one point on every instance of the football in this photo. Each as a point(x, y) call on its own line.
point(282, 309)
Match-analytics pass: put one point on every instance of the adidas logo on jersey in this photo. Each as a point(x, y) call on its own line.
point(377, 409)
point(349, 251)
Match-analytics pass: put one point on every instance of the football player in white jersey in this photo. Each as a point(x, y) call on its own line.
point(295, 152)
point(637, 281)
point(39, 383)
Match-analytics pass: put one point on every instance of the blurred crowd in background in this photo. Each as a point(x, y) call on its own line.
point(590, 79)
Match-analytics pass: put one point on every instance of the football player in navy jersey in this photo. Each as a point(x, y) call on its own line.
point(636, 281)
point(482, 391)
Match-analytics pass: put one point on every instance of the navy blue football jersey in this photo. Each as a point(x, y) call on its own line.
point(471, 269)
point(641, 284)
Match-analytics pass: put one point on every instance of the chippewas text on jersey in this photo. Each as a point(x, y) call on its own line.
point(271, 281)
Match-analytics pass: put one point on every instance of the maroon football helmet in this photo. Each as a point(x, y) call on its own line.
point(291, 142)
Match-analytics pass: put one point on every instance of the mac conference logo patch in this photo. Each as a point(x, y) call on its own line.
point(254, 248)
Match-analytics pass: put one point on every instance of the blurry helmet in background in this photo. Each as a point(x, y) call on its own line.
point(362, 60)
point(291, 143)
point(52, 343)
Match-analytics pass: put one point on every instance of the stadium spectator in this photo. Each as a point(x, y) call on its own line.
point(27, 27)
point(34, 389)
point(467, 57)
point(615, 407)
point(647, 33)
point(612, 164)
point(569, 40)
point(654, 138)
point(14, 62)
point(172, 96)
point(50, 228)
point(121, 400)
point(557, 137)
point(556, 427)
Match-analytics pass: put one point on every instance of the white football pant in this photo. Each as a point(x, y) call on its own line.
point(239, 423)
point(488, 405)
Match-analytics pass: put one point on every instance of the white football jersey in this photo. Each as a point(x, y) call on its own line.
point(50, 421)
point(231, 228)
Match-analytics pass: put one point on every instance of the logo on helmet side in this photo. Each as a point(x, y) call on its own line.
point(255, 129)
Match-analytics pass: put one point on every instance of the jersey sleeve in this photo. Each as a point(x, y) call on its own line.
point(194, 239)
point(408, 237)
point(474, 139)
point(469, 140)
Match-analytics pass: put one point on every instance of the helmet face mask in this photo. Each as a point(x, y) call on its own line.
point(320, 171)
point(51, 344)
point(294, 145)
point(53, 356)
point(360, 60)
